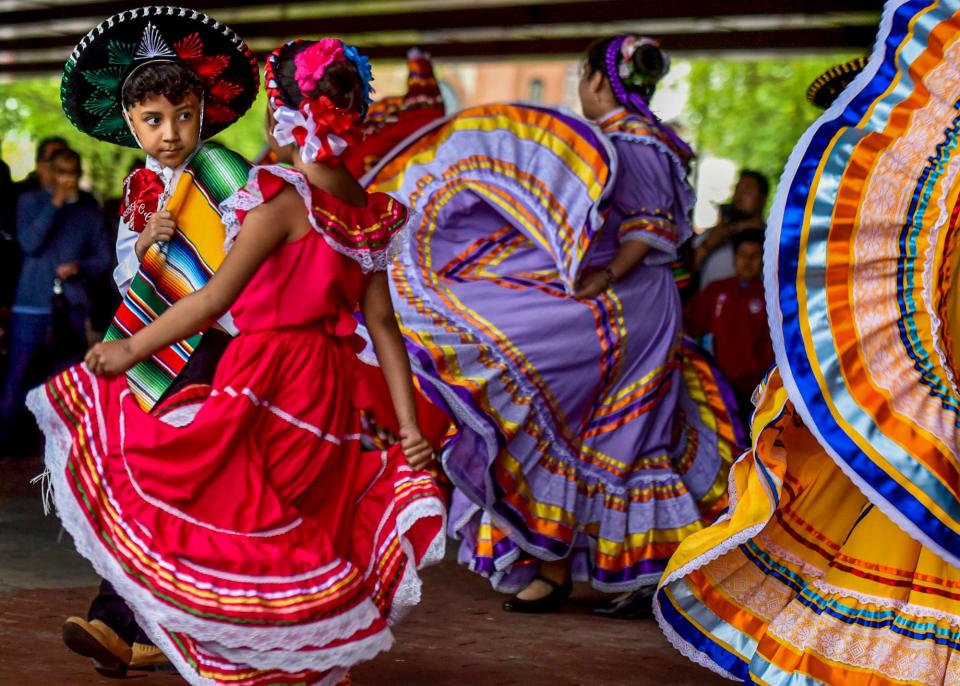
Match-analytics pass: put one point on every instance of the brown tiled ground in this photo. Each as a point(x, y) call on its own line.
point(457, 636)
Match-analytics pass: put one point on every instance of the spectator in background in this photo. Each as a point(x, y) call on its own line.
point(60, 233)
point(730, 316)
point(713, 249)
point(41, 176)
point(9, 252)
point(10, 256)
point(103, 293)
point(8, 206)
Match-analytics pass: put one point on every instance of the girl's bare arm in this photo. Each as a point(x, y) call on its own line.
point(264, 228)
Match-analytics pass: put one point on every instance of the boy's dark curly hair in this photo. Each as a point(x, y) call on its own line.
point(173, 80)
point(748, 236)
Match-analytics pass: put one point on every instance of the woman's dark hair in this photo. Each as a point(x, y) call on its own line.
point(341, 82)
point(762, 184)
point(649, 64)
point(173, 80)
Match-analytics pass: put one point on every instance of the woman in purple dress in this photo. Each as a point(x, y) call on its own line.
point(539, 308)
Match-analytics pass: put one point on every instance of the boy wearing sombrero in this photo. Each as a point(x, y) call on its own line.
point(164, 79)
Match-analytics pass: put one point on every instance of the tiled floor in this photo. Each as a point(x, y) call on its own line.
point(457, 636)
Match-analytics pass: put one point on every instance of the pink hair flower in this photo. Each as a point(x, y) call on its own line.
point(313, 62)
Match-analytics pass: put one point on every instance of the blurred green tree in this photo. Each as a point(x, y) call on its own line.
point(31, 108)
point(753, 112)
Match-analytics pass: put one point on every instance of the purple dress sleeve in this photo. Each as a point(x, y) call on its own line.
point(651, 200)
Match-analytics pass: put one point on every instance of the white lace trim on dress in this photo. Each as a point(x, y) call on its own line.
point(250, 196)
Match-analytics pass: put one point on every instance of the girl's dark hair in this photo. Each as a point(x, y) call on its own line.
point(762, 184)
point(341, 82)
point(649, 64)
point(173, 80)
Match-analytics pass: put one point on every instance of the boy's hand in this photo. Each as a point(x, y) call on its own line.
point(415, 447)
point(110, 359)
point(160, 228)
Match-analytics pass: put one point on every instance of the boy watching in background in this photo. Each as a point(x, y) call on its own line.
point(730, 316)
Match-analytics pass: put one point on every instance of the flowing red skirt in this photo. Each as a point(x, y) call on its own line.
point(254, 538)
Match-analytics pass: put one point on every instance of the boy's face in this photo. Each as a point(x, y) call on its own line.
point(748, 261)
point(167, 132)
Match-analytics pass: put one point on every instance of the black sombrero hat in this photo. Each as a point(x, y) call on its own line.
point(94, 75)
point(826, 87)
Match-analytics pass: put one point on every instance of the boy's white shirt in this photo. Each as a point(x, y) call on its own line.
point(127, 261)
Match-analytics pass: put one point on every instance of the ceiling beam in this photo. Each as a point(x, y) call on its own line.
point(95, 11)
point(837, 38)
point(461, 15)
point(591, 12)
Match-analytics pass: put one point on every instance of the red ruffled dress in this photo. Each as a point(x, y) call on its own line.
point(256, 541)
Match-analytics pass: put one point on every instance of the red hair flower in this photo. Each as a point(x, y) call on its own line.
point(313, 62)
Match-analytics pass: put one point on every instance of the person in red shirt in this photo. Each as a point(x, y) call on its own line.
point(730, 316)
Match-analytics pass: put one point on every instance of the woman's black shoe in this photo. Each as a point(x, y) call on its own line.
point(551, 602)
point(637, 605)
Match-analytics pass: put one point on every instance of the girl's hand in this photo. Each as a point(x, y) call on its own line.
point(415, 447)
point(110, 359)
point(592, 285)
point(160, 228)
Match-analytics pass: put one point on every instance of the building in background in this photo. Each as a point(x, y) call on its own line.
point(554, 82)
point(735, 112)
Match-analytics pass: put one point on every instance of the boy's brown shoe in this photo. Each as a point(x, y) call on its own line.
point(147, 657)
point(110, 654)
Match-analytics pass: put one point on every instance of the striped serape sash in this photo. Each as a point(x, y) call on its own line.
point(169, 271)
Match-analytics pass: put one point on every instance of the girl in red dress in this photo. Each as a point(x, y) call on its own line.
point(255, 539)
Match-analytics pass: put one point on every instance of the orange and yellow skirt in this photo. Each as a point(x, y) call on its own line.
point(803, 581)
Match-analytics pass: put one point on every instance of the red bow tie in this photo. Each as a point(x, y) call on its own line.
point(141, 196)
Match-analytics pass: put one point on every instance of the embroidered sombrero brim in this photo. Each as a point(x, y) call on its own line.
point(826, 87)
point(95, 72)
